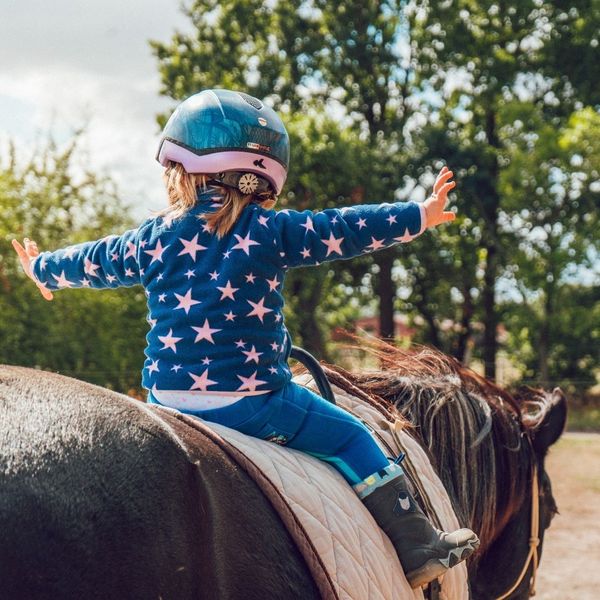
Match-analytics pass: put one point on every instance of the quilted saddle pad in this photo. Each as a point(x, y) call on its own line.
point(359, 560)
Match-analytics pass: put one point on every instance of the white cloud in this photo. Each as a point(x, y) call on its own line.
point(67, 64)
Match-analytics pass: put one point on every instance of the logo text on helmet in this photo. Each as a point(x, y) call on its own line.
point(255, 146)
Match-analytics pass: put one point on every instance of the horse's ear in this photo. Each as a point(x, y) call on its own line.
point(553, 424)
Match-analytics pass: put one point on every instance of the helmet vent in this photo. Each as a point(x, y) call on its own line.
point(251, 101)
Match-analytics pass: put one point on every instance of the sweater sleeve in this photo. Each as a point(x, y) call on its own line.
point(107, 263)
point(310, 238)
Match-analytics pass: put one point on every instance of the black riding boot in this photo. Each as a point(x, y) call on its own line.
point(425, 553)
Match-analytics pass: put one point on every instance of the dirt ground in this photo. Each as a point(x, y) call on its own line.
point(570, 566)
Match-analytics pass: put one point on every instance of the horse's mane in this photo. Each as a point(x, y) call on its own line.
point(473, 429)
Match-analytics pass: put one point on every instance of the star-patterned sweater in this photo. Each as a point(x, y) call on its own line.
point(215, 305)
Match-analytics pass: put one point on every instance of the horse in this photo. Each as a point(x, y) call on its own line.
point(104, 498)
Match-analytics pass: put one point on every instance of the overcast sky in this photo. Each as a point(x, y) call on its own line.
point(64, 63)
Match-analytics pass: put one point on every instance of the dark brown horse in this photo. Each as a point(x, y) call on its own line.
point(101, 498)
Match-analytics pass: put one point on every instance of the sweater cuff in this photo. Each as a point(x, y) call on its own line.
point(32, 269)
point(423, 219)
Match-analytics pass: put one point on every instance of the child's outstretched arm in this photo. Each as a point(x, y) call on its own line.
point(309, 238)
point(107, 263)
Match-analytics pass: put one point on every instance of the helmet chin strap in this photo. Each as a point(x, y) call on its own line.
point(245, 182)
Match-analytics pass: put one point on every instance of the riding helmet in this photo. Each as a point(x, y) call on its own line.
point(232, 136)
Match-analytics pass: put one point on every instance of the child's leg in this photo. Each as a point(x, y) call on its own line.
point(306, 421)
point(309, 423)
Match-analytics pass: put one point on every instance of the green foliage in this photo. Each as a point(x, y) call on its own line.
point(91, 335)
point(498, 91)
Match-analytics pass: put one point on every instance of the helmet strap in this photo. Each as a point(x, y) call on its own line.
point(245, 182)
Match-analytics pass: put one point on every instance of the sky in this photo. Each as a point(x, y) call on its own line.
point(64, 64)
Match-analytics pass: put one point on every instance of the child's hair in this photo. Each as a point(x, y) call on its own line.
point(182, 190)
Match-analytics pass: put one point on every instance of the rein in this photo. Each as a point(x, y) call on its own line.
point(534, 540)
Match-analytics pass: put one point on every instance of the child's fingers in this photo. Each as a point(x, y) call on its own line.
point(46, 293)
point(447, 216)
point(19, 249)
point(443, 191)
point(31, 247)
point(441, 180)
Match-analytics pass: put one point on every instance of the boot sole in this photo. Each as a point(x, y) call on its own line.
point(436, 567)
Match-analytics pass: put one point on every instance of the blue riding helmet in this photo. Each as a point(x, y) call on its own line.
point(230, 135)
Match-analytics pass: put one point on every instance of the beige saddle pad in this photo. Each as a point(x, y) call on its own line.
point(358, 558)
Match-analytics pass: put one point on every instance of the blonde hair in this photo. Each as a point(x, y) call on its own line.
point(182, 191)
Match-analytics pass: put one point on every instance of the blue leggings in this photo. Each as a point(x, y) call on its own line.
point(296, 417)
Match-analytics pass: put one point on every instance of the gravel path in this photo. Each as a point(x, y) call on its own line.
point(570, 566)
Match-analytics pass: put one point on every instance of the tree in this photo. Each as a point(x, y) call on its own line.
point(96, 336)
point(480, 55)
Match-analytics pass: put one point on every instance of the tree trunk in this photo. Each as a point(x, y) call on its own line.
point(464, 335)
point(386, 291)
point(545, 335)
point(491, 205)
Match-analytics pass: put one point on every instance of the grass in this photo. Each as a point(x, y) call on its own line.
point(583, 419)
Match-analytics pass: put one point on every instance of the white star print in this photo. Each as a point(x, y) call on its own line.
point(277, 318)
point(157, 253)
point(376, 244)
point(305, 253)
point(161, 297)
point(308, 225)
point(85, 282)
point(213, 276)
point(169, 341)
point(240, 344)
point(175, 368)
point(131, 250)
point(406, 237)
point(334, 220)
point(90, 268)
point(258, 309)
point(114, 256)
point(263, 220)
point(206, 360)
point(189, 273)
point(391, 219)
point(152, 322)
point(62, 281)
point(226, 254)
point(160, 276)
point(361, 223)
point(274, 346)
point(272, 370)
point(250, 383)
point(201, 382)
point(186, 301)
point(230, 316)
point(250, 278)
point(153, 367)
point(228, 291)
point(333, 244)
point(129, 273)
point(191, 247)
point(252, 354)
point(273, 283)
point(205, 332)
point(143, 243)
point(244, 243)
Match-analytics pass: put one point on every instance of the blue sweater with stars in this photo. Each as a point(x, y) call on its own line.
point(215, 305)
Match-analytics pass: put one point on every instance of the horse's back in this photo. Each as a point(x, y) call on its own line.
point(102, 499)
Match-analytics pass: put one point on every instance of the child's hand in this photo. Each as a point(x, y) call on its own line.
point(436, 203)
point(26, 255)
